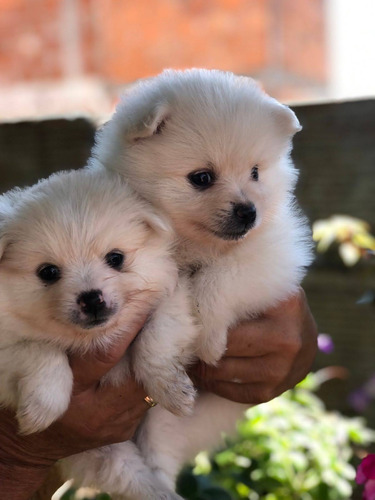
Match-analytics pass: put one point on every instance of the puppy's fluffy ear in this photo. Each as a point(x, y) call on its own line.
point(8, 202)
point(150, 123)
point(3, 236)
point(287, 120)
point(157, 223)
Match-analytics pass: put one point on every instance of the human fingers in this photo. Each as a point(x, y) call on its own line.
point(287, 328)
point(114, 398)
point(245, 380)
point(242, 370)
point(266, 356)
point(97, 418)
point(250, 394)
point(254, 337)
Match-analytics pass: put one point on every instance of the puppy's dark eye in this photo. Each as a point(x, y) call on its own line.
point(255, 173)
point(48, 273)
point(115, 259)
point(202, 180)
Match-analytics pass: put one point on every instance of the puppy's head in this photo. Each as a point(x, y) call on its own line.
point(81, 257)
point(209, 148)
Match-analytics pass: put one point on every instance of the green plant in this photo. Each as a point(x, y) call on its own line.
point(290, 448)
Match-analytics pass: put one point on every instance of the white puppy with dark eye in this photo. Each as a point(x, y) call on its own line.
point(211, 151)
point(81, 257)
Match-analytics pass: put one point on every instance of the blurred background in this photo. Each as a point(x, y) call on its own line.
point(63, 65)
point(75, 56)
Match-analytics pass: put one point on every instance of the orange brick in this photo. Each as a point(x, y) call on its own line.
point(139, 41)
point(302, 25)
point(279, 41)
point(29, 40)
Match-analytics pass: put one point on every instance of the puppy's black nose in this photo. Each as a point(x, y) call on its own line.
point(245, 213)
point(91, 302)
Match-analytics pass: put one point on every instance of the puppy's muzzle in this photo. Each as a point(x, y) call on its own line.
point(245, 214)
point(93, 309)
point(92, 302)
point(240, 219)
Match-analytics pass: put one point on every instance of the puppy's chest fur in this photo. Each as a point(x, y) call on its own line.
point(257, 273)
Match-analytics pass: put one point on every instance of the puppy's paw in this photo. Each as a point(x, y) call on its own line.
point(39, 405)
point(39, 411)
point(176, 394)
point(211, 349)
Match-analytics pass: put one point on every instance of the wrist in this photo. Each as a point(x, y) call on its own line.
point(20, 481)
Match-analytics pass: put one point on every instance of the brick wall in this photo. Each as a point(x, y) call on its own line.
point(30, 40)
point(279, 41)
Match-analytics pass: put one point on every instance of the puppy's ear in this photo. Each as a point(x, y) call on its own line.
point(157, 223)
point(287, 120)
point(3, 243)
point(3, 236)
point(7, 208)
point(149, 123)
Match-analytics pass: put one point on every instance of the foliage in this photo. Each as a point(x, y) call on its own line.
point(289, 448)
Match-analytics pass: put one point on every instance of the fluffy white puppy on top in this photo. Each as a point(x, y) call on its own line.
point(211, 151)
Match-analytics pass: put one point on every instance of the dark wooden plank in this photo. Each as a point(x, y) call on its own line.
point(33, 150)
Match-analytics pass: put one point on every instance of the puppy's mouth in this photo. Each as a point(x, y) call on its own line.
point(234, 224)
point(231, 235)
point(232, 230)
point(89, 322)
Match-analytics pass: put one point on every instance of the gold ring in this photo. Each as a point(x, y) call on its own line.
point(151, 403)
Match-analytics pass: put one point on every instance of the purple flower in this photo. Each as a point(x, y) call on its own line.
point(366, 475)
point(325, 343)
point(359, 400)
point(362, 397)
point(369, 491)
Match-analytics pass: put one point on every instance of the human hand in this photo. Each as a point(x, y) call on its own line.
point(265, 356)
point(96, 416)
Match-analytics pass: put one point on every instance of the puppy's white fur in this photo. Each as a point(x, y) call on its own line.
point(167, 129)
point(73, 220)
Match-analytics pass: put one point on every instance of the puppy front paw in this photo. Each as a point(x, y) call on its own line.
point(39, 411)
point(211, 348)
point(176, 394)
point(44, 396)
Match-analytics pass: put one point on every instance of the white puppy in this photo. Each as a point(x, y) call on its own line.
point(212, 152)
point(81, 257)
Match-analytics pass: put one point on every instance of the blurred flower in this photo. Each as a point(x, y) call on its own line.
point(325, 343)
point(369, 491)
point(366, 475)
point(366, 469)
point(359, 400)
point(362, 397)
point(352, 236)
